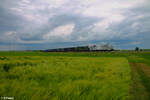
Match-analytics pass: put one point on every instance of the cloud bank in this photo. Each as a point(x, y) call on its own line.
point(27, 24)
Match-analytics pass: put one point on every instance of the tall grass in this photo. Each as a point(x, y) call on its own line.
point(64, 78)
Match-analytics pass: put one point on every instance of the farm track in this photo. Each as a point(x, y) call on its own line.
point(141, 81)
point(144, 68)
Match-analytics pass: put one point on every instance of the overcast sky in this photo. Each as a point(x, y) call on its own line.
point(43, 24)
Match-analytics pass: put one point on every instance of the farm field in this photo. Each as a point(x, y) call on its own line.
point(75, 76)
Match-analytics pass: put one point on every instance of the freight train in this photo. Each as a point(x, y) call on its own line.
point(105, 47)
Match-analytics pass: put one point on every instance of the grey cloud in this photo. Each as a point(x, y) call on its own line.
point(8, 20)
point(81, 23)
point(34, 23)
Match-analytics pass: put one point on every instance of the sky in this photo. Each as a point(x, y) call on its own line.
point(46, 24)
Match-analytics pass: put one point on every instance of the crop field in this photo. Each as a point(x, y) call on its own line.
point(75, 76)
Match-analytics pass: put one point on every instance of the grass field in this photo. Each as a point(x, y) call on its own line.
point(75, 76)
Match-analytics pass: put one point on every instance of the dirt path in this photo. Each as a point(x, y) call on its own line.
point(141, 81)
point(144, 68)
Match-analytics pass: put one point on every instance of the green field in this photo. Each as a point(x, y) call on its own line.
point(75, 76)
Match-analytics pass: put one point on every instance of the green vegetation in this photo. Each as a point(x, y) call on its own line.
point(75, 75)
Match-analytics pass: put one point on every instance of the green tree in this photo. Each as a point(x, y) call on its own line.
point(137, 49)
